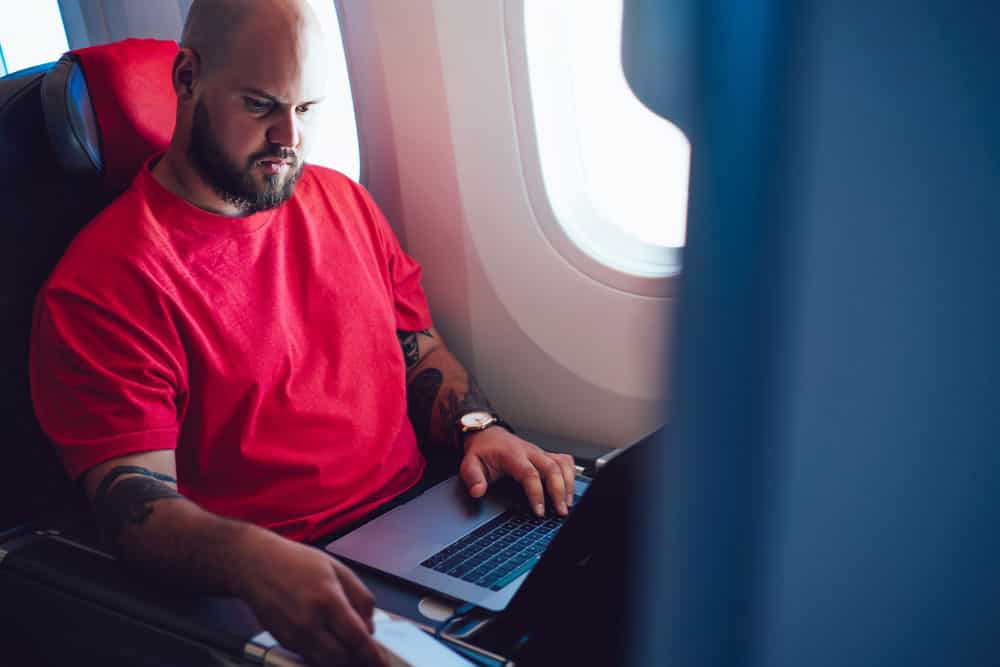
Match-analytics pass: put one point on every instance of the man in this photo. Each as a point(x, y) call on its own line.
point(234, 322)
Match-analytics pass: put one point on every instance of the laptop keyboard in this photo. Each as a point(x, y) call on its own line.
point(499, 551)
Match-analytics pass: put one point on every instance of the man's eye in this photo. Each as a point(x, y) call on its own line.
point(256, 106)
point(303, 108)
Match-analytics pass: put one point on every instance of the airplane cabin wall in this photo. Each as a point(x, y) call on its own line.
point(556, 351)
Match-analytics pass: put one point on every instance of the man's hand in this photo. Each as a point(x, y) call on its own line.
point(309, 601)
point(439, 391)
point(494, 452)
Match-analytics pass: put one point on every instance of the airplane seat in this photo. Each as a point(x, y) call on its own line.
point(72, 135)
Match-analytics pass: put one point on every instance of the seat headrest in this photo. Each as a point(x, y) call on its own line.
point(109, 107)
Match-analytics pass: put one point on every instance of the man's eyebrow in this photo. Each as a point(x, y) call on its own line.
point(256, 92)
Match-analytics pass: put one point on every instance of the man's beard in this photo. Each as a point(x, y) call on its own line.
point(236, 185)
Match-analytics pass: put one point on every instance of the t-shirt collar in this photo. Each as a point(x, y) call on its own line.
point(168, 206)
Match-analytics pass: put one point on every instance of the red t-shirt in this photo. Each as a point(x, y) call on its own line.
point(262, 349)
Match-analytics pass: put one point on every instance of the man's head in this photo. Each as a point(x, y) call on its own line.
point(247, 77)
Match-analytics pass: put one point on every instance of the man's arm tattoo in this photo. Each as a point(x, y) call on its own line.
point(118, 471)
point(411, 350)
point(129, 501)
point(420, 396)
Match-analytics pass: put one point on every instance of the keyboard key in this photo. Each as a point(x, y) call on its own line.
point(502, 570)
point(459, 570)
point(495, 561)
point(483, 529)
point(450, 563)
point(487, 580)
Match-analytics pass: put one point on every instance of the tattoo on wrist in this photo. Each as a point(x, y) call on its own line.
point(411, 348)
point(454, 406)
point(420, 397)
point(128, 502)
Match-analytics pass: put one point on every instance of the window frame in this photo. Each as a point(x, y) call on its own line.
point(590, 243)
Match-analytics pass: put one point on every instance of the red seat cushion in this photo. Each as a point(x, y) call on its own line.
point(133, 98)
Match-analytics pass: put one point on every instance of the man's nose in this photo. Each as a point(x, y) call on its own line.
point(285, 130)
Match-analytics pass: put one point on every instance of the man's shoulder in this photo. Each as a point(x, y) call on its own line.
point(345, 195)
point(126, 220)
point(120, 236)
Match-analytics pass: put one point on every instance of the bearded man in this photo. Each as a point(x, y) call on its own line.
point(237, 359)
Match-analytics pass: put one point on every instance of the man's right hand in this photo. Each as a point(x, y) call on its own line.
point(309, 601)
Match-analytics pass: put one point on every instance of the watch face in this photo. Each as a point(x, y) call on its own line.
point(476, 419)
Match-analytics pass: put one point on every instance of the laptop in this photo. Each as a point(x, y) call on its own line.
point(477, 551)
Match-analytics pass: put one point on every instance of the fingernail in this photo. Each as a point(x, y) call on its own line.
point(569, 500)
point(540, 509)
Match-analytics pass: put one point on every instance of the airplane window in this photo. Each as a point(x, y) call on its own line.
point(336, 145)
point(31, 33)
point(615, 174)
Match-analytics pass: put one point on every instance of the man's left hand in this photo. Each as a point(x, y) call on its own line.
point(494, 452)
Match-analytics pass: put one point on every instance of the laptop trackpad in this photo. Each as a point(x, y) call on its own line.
point(417, 529)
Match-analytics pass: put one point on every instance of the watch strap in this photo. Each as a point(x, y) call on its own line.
point(502, 422)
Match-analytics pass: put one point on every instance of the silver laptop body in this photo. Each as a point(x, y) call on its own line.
point(398, 541)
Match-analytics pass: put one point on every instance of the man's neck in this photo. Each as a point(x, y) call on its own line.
point(176, 173)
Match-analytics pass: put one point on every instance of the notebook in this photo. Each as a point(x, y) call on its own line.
point(478, 551)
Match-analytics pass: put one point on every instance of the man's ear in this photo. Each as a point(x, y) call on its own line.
point(186, 72)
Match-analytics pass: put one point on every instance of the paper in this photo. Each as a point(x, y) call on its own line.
point(412, 647)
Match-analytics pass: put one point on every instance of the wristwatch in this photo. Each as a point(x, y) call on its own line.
point(479, 420)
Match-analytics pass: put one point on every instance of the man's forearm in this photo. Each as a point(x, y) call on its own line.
point(177, 543)
point(305, 598)
point(440, 392)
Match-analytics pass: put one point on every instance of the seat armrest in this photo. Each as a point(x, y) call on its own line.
point(53, 586)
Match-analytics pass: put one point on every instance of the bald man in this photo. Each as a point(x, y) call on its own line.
point(254, 364)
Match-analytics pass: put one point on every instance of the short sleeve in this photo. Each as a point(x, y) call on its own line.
point(106, 375)
point(412, 312)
